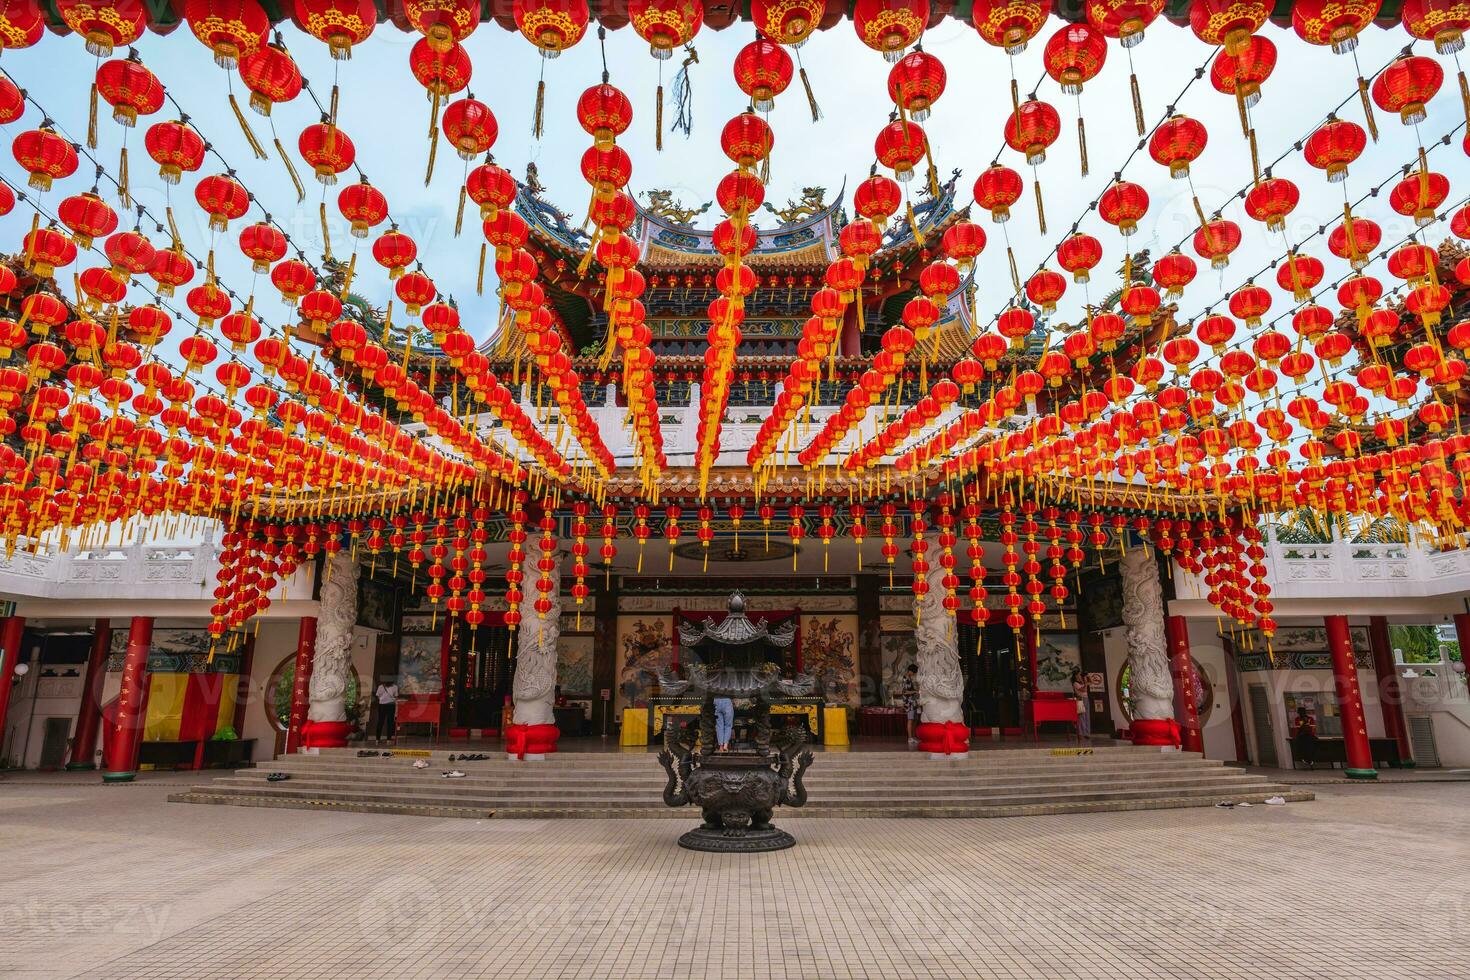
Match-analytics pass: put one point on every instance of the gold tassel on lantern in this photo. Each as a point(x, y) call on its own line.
point(433, 138)
point(459, 214)
point(291, 171)
point(1137, 98)
point(92, 119)
point(173, 229)
point(811, 98)
point(658, 119)
point(1082, 140)
point(1040, 209)
point(326, 235)
point(123, 196)
point(538, 117)
point(480, 278)
point(1465, 97)
point(250, 137)
point(1367, 108)
point(914, 224)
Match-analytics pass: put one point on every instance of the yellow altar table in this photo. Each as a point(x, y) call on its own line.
point(635, 726)
point(834, 726)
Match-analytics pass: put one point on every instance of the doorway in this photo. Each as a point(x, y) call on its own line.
point(992, 686)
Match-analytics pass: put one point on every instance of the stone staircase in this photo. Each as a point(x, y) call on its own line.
point(1004, 783)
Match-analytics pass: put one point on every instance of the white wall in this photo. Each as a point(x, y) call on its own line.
point(1280, 682)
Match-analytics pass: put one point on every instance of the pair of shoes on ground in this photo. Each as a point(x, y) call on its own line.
point(452, 774)
point(1270, 801)
point(421, 763)
point(373, 754)
point(471, 757)
point(277, 777)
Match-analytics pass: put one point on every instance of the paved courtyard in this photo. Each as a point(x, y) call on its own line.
point(1368, 881)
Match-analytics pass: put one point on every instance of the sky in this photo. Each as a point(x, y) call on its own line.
point(385, 112)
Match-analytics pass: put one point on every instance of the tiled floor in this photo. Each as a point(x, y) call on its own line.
point(113, 882)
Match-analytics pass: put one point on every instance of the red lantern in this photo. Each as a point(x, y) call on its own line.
point(1123, 204)
point(1123, 19)
point(1227, 23)
point(787, 21)
point(666, 24)
point(444, 23)
point(272, 77)
point(87, 216)
point(231, 29)
point(45, 156)
point(551, 25)
point(900, 146)
point(915, 82)
point(604, 112)
point(877, 199)
point(327, 149)
point(1355, 241)
point(175, 147)
point(1271, 200)
point(12, 102)
point(339, 24)
point(1300, 274)
point(1178, 142)
point(1079, 254)
point(21, 24)
point(130, 252)
point(490, 187)
point(1074, 55)
point(1419, 195)
point(222, 198)
point(293, 278)
point(762, 71)
point(470, 126)
point(1406, 85)
point(415, 290)
point(1243, 73)
point(1216, 240)
point(996, 190)
point(1442, 21)
point(363, 206)
point(1045, 288)
point(890, 26)
point(1173, 272)
point(1032, 128)
point(1333, 22)
point(962, 242)
point(170, 269)
point(443, 72)
point(130, 88)
point(263, 244)
point(1009, 24)
point(394, 250)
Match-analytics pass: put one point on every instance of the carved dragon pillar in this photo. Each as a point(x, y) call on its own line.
point(942, 730)
point(1149, 681)
point(326, 719)
point(533, 732)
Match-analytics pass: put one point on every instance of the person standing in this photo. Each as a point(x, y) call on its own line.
point(909, 692)
point(387, 695)
point(724, 722)
point(1084, 716)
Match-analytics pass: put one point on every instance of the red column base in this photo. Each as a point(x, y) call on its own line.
point(943, 737)
point(325, 734)
point(524, 740)
point(1155, 731)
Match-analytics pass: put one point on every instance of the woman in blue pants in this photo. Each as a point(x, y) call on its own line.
point(724, 722)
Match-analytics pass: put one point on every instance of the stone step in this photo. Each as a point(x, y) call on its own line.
point(871, 807)
point(871, 759)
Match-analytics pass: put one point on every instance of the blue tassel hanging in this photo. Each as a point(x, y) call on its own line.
point(684, 94)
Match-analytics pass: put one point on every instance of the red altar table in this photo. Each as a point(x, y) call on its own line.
point(1050, 706)
point(417, 712)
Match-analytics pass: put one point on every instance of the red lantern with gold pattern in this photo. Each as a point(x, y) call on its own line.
point(170, 269)
point(444, 23)
point(762, 71)
point(1216, 240)
point(272, 77)
point(1355, 241)
point(394, 250)
point(666, 24)
point(1173, 272)
point(963, 241)
point(605, 113)
point(1333, 22)
point(1243, 73)
point(1406, 84)
point(45, 156)
point(1333, 146)
point(263, 244)
point(175, 147)
point(1271, 200)
point(490, 187)
point(787, 21)
point(327, 149)
point(1079, 254)
point(551, 25)
point(442, 72)
point(1227, 23)
point(1032, 128)
point(130, 88)
point(1419, 196)
point(1177, 142)
point(746, 139)
point(900, 146)
point(21, 24)
point(87, 217)
point(104, 24)
point(1123, 204)
point(915, 82)
point(48, 250)
point(878, 198)
point(1442, 21)
point(231, 29)
point(890, 26)
point(996, 189)
point(364, 207)
point(416, 290)
point(470, 126)
point(1123, 19)
point(1009, 24)
point(339, 24)
point(222, 198)
point(1074, 55)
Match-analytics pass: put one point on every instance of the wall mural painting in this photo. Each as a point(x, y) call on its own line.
point(898, 650)
point(419, 663)
point(1057, 655)
point(645, 646)
point(829, 653)
point(574, 666)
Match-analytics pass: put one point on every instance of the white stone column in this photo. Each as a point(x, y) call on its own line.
point(534, 687)
point(1149, 682)
point(332, 661)
point(941, 683)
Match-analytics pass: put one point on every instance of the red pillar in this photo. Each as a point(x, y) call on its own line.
point(121, 761)
point(1389, 696)
point(301, 688)
point(1186, 683)
point(89, 715)
point(1349, 700)
point(12, 633)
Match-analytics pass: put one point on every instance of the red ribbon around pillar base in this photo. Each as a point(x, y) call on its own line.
point(946, 737)
point(325, 734)
point(524, 740)
point(1155, 731)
